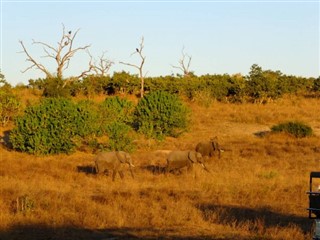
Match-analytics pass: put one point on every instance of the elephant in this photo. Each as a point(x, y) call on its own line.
point(177, 160)
point(113, 161)
point(208, 149)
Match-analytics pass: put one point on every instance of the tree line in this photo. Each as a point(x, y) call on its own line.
point(259, 86)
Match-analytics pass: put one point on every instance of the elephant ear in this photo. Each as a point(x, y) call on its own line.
point(121, 157)
point(192, 156)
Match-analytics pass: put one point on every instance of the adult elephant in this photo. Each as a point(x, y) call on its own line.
point(113, 161)
point(177, 160)
point(209, 148)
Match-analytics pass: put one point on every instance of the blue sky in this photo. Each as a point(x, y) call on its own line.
point(221, 36)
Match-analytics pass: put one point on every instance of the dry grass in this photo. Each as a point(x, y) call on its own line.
point(257, 190)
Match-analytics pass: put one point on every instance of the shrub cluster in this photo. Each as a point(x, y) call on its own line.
point(58, 125)
point(297, 129)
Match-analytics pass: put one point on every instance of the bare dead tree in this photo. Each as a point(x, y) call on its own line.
point(102, 67)
point(62, 54)
point(139, 67)
point(184, 64)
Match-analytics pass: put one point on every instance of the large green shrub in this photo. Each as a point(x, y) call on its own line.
point(115, 120)
point(116, 109)
point(51, 127)
point(161, 114)
point(119, 137)
point(297, 129)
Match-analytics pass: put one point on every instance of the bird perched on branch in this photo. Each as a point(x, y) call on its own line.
point(69, 32)
point(137, 49)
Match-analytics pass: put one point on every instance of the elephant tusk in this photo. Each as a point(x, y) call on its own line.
point(132, 165)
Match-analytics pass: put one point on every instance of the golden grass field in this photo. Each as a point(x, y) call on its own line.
point(256, 190)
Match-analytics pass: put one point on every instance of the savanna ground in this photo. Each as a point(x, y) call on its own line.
point(256, 190)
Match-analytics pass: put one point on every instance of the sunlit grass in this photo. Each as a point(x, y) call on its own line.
point(257, 190)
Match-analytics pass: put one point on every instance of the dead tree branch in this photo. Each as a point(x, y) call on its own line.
point(103, 66)
point(62, 53)
point(183, 66)
point(139, 67)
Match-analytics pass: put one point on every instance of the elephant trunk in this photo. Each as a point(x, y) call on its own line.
point(204, 167)
point(130, 168)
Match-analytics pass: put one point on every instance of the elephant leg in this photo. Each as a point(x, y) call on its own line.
point(114, 175)
point(131, 173)
point(121, 174)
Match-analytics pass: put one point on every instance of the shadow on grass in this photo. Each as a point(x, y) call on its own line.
point(262, 134)
point(242, 215)
point(154, 169)
point(88, 169)
point(43, 232)
point(5, 140)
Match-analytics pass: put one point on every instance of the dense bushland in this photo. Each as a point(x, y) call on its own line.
point(59, 125)
point(258, 86)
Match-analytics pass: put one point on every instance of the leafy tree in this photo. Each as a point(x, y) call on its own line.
point(3, 82)
point(123, 82)
point(316, 85)
point(261, 85)
point(236, 89)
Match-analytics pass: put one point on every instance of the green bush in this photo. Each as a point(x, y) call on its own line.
point(115, 120)
point(297, 129)
point(115, 109)
point(90, 112)
point(54, 87)
point(53, 126)
point(119, 137)
point(10, 104)
point(161, 114)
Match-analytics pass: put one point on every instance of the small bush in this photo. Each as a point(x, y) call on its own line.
point(10, 104)
point(161, 114)
point(54, 87)
point(297, 129)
